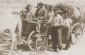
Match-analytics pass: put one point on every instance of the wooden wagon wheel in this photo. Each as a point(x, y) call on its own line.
point(41, 43)
point(77, 32)
point(32, 41)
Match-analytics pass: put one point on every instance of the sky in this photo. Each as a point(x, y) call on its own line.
point(34, 2)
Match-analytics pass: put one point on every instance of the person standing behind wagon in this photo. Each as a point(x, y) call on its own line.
point(26, 16)
point(50, 14)
point(67, 27)
point(57, 23)
point(41, 15)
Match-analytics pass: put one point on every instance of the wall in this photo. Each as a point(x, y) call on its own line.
point(16, 8)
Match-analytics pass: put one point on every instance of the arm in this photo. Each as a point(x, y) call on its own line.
point(36, 14)
point(45, 14)
point(71, 26)
point(23, 15)
point(61, 20)
point(33, 17)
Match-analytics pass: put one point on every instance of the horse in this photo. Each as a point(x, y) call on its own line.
point(11, 22)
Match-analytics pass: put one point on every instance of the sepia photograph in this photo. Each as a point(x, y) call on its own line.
point(42, 27)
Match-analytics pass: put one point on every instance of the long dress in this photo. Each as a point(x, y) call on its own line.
point(26, 17)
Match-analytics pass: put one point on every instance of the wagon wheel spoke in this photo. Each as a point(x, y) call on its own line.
point(42, 43)
point(78, 33)
point(32, 42)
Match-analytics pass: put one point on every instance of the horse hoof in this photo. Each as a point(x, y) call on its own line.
point(12, 53)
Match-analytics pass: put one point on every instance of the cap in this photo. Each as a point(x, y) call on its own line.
point(40, 4)
point(57, 9)
point(28, 6)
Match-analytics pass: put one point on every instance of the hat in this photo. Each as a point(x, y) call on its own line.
point(40, 4)
point(28, 6)
point(57, 9)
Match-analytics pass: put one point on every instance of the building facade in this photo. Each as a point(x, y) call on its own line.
point(15, 7)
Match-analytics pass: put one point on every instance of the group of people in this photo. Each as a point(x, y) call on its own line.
point(52, 15)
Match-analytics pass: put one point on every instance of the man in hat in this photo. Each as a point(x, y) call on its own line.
point(57, 22)
point(41, 15)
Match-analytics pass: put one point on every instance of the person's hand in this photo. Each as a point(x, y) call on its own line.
point(55, 25)
point(41, 17)
point(46, 20)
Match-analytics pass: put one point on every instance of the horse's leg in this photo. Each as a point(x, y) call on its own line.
point(14, 42)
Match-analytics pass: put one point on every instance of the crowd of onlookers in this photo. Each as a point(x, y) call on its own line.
point(49, 15)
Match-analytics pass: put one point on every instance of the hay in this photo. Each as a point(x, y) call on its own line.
point(72, 11)
point(65, 8)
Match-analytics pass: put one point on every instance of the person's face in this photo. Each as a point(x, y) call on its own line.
point(38, 7)
point(56, 12)
point(29, 8)
point(66, 16)
point(50, 8)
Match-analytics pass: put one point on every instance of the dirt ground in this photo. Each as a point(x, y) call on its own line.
point(77, 49)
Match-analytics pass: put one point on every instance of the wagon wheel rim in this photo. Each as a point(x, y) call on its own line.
point(78, 33)
point(41, 44)
point(31, 41)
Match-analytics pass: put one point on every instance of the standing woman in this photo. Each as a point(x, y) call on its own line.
point(26, 17)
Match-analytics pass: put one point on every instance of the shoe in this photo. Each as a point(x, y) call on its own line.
point(60, 48)
point(55, 50)
point(67, 47)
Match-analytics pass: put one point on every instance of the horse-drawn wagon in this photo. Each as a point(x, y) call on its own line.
point(76, 29)
point(40, 41)
point(74, 14)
